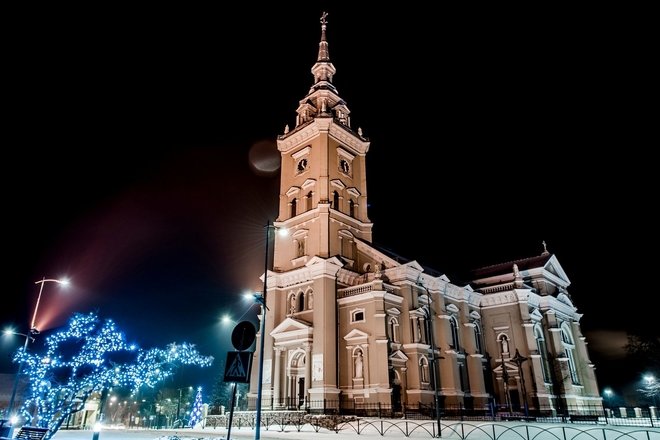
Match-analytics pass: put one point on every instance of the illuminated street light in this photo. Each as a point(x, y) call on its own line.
point(651, 388)
point(262, 300)
point(30, 335)
point(608, 395)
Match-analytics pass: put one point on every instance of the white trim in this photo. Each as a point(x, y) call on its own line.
point(354, 192)
point(292, 190)
point(345, 154)
point(302, 152)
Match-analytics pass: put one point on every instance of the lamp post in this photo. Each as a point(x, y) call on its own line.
point(434, 360)
point(608, 395)
point(178, 405)
point(30, 336)
point(518, 359)
point(261, 299)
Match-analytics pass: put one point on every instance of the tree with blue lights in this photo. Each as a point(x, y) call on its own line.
point(90, 356)
point(196, 413)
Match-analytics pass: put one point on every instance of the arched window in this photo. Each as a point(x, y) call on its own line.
point(309, 201)
point(543, 352)
point(569, 346)
point(301, 302)
point(294, 203)
point(478, 341)
point(351, 208)
point(335, 200)
point(454, 333)
point(394, 329)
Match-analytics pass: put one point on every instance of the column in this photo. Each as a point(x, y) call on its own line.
point(308, 370)
point(277, 376)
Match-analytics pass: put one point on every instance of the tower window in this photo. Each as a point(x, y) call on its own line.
point(301, 302)
point(335, 200)
point(351, 208)
point(302, 165)
point(309, 200)
point(294, 204)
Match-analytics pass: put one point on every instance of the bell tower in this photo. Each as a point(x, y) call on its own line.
point(323, 185)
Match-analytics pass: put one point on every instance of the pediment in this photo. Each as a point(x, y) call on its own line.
point(563, 298)
point(415, 265)
point(337, 183)
point(393, 312)
point(293, 190)
point(398, 356)
point(318, 260)
point(353, 191)
point(553, 267)
point(536, 315)
point(309, 183)
point(290, 325)
point(356, 335)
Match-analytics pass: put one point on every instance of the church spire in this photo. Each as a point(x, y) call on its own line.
point(323, 70)
point(323, 100)
point(324, 55)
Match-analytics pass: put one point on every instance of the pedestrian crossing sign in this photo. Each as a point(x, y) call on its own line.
point(238, 366)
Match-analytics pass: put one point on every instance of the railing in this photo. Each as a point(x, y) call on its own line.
point(498, 288)
point(572, 414)
point(395, 428)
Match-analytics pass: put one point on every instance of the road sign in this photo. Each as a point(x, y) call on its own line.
point(238, 366)
point(243, 335)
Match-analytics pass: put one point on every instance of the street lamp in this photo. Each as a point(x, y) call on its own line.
point(261, 299)
point(30, 335)
point(518, 359)
point(651, 387)
point(608, 395)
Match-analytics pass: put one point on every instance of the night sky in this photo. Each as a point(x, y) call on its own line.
point(128, 136)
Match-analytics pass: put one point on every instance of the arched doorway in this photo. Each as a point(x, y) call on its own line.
point(296, 391)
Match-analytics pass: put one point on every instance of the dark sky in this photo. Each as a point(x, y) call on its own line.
point(128, 133)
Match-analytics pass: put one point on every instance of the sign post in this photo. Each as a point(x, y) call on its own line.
point(239, 362)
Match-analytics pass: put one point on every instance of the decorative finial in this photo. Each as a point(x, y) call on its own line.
point(360, 131)
point(323, 45)
point(286, 128)
point(516, 271)
point(545, 248)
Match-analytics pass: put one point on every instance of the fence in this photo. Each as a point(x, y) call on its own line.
point(647, 416)
point(292, 421)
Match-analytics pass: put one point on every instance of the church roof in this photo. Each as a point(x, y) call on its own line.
point(403, 260)
point(505, 268)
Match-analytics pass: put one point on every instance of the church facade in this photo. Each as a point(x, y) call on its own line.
point(349, 324)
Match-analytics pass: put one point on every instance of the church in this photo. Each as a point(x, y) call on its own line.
point(349, 325)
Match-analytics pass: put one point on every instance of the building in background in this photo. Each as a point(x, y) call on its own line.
point(349, 324)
